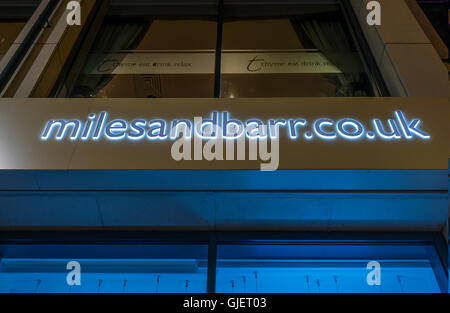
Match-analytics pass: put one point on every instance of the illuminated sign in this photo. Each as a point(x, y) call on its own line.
point(221, 124)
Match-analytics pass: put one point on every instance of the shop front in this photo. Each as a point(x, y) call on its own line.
point(222, 146)
point(224, 195)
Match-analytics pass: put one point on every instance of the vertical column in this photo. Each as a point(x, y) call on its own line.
point(407, 60)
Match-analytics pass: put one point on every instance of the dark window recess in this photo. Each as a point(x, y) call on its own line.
point(437, 13)
point(161, 58)
point(269, 50)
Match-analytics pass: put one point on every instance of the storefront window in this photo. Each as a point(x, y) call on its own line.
point(266, 50)
point(140, 55)
point(315, 268)
point(104, 268)
point(306, 51)
point(150, 59)
point(247, 266)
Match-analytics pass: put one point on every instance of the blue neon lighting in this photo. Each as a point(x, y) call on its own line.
point(255, 130)
point(292, 127)
point(309, 136)
point(157, 130)
point(274, 127)
point(343, 126)
point(137, 130)
point(186, 129)
point(370, 135)
point(88, 127)
point(116, 130)
point(201, 130)
point(327, 129)
point(318, 129)
point(236, 126)
point(411, 128)
point(392, 134)
point(62, 130)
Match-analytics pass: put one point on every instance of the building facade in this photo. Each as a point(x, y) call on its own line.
point(223, 146)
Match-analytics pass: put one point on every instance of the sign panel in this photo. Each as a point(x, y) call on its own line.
point(306, 133)
point(203, 63)
point(277, 63)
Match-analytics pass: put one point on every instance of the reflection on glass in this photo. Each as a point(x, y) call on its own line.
point(304, 55)
point(150, 59)
point(296, 50)
point(329, 269)
point(159, 269)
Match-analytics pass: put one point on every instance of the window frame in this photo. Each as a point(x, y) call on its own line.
point(212, 239)
point(62, 90)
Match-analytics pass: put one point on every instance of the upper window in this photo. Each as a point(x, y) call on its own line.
point(306, 51)
point(160, 58)
point(265, 50)
point(151, 50)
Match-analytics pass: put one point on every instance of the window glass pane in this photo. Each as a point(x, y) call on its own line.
point(148, 53)
point(105, 268)
point(300, 51)
point(295, 268)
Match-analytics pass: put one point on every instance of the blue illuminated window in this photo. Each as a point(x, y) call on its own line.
point(316, 268)
point(242, 265)
point(104, 268)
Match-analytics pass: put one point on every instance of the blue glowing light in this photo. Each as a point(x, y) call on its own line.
point(370, 135)
point(327, 129)
point(318, 129)
point(342, 127)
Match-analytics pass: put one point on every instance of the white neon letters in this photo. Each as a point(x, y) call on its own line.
point(350, 129)
point(320, 132)
point(326, 129)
